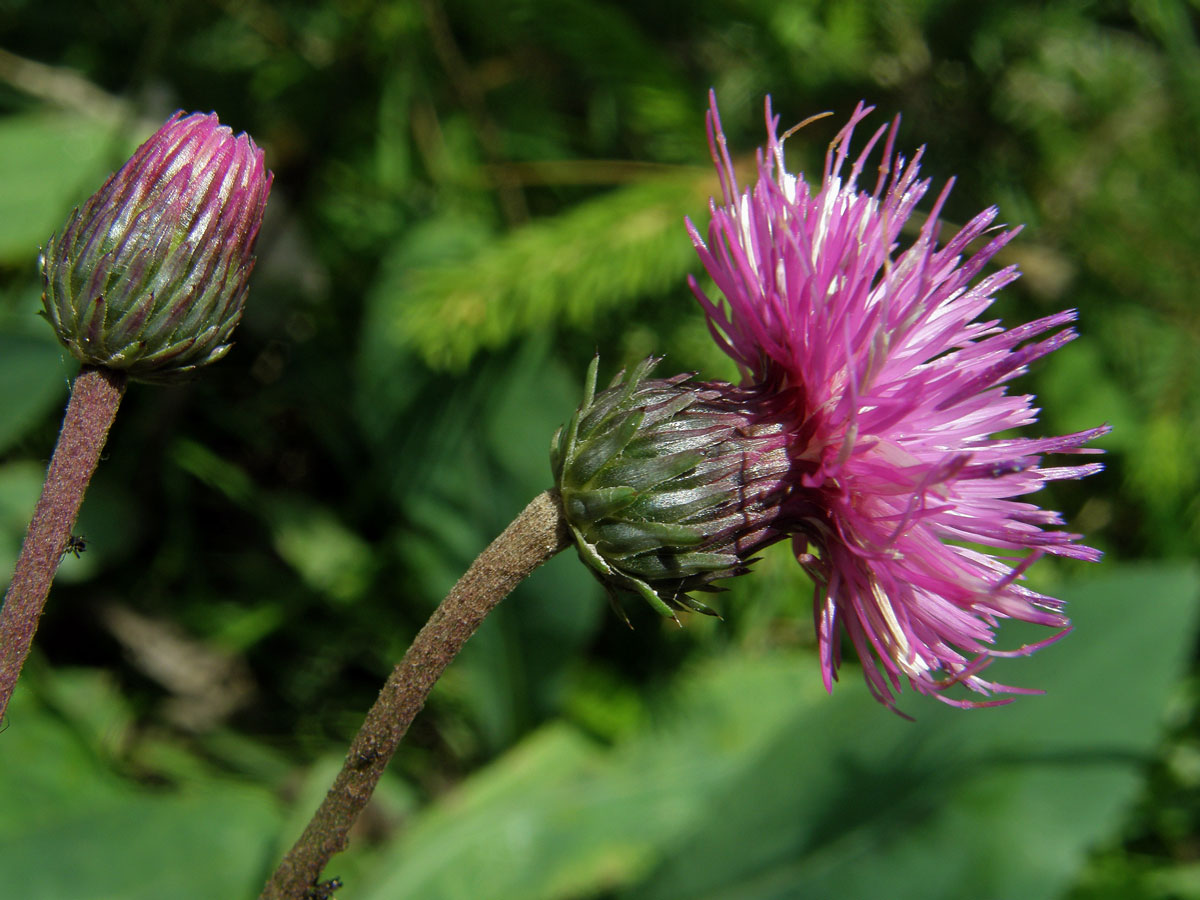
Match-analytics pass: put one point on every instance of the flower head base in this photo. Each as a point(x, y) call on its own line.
point(150, 275)
point(913, 535)
point(668, 486)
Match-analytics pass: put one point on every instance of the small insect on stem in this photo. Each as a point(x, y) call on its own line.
point(76, 545)
point(324, 890)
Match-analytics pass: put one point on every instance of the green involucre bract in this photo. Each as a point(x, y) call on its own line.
point(668, 485)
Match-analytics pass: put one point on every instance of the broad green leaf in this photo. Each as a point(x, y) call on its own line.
point(70, 826)
point(993, 803)
point(47, 164)
point(755, 784)
point(31, 382)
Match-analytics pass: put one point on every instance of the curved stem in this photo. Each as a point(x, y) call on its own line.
point(536, 535)
point(95, 396)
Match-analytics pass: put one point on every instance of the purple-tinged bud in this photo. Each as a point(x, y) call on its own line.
point(668, 485)
point(150, 276)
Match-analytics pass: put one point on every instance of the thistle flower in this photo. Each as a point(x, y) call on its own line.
point(900, 503)
point(150, 275)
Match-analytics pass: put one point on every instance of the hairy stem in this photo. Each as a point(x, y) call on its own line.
point(95, 396)
point(536, 535)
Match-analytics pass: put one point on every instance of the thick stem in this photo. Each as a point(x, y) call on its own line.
point(536, 535)
point(95, 396)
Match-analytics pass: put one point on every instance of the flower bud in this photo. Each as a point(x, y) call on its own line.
point(150, 275)
point(668, 486)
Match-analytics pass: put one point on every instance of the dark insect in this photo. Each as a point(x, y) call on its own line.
point(324, 890)
point(75, 546)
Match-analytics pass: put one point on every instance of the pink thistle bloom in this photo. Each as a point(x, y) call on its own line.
point(902, 505)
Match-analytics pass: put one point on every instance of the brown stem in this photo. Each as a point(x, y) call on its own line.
point(536, 535)
point(95, 396)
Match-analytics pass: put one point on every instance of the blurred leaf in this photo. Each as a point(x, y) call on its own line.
point(999, 803)
point(71, 827)
point(209, 467)
point(493, 429)
point(330, 558)
point(841, 797)
point(635, 87)
point(391, 377)
point(31, 383)
point(47, 162)
point(20, 487)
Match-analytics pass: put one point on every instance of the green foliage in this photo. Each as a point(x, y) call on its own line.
point(1003, 805)
point(471, 199)
point(51, 159)
point(576, 269)
point(72, 827)
point(31, 381)
point(739, 744)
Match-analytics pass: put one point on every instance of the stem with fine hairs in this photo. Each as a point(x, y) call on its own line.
point(537, 534)
point(95, 396)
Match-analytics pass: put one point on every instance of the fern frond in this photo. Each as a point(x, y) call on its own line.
point(594, 260)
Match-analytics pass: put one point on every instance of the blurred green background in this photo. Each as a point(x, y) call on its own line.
point(471, 198)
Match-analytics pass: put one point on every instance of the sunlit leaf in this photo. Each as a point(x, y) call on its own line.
point(70, 826)
point(755, 784)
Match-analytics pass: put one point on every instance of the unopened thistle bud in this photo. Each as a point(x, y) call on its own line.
point(150, 276)
point(669, 485)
